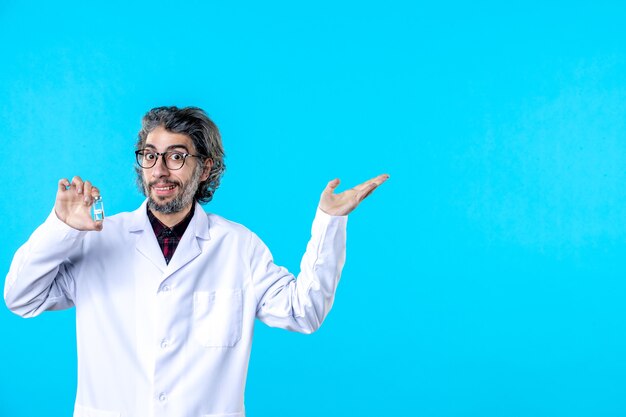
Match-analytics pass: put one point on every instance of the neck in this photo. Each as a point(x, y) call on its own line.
point(172, 219)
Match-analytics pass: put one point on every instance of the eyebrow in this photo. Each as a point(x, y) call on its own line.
point(149, 145)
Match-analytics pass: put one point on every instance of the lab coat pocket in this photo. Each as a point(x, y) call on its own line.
point(217, 317)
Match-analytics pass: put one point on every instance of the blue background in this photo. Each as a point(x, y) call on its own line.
point(485, 278)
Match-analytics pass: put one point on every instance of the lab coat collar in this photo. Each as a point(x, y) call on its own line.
point(188, 247)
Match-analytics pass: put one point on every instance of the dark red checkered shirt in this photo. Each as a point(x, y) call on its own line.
point(168, 237)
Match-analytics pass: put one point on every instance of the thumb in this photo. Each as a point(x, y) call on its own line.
point(330, 187)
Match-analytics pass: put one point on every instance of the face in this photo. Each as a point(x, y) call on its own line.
point(171, 191)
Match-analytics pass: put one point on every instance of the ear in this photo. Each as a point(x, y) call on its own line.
point(208, 164)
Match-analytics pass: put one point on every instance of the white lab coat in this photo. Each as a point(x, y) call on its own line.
point(170, 340)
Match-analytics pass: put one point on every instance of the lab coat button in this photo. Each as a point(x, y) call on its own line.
point(165, 343)
point(162, 397)
point(165, 288)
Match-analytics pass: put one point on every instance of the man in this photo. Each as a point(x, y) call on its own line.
point(166, 296)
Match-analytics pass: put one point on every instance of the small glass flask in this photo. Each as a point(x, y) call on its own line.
point(97, 209)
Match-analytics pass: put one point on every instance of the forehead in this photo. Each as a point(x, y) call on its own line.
point(162, 139)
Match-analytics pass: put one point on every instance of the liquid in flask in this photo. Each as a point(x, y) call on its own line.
point(98, 209)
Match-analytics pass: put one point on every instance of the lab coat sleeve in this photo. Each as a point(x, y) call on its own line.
point(40, 276)
point(301, 304)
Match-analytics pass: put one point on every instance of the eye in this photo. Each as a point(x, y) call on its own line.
point(177, 156)
point(149, 156)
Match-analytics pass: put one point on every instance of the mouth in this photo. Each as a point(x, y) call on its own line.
point(163, 190)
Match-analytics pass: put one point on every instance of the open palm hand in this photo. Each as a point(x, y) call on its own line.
point(343, 203)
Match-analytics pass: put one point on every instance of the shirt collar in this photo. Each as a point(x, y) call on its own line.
point(177, 230)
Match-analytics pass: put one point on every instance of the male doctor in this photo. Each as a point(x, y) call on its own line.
point(166, 296)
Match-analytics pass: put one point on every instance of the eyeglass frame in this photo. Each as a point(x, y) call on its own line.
point(163, 158)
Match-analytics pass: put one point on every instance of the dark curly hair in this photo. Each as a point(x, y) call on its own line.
point(193, 122)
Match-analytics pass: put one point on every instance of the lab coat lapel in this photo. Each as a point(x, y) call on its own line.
point(189, 246)
point(146, 242)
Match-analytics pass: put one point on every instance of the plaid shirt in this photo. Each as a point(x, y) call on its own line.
point(167, 237)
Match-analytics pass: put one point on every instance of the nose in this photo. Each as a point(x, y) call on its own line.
point(160, 170)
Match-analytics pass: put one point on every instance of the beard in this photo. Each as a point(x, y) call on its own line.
point(181, 200)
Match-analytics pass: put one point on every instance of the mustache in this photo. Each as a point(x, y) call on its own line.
point(150, 184)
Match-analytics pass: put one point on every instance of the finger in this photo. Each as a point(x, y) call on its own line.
point(95, 192)
point(330, 187)
point(63, 184)
point(77, 183)
point(382, 178)
point(376, 180)
point(367, 191)
point(99, 225)
point(87, 192)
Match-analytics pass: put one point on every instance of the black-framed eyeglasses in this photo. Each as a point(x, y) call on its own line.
point(174, 160)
